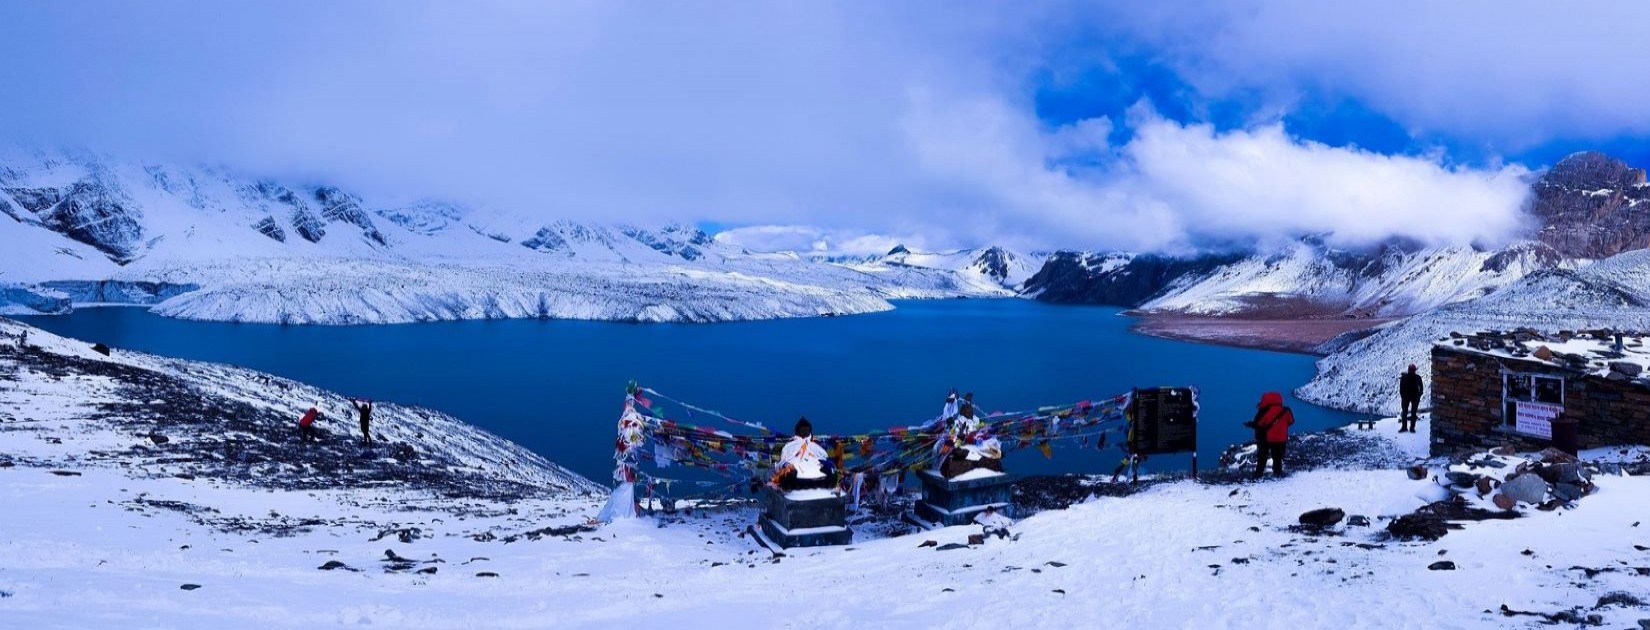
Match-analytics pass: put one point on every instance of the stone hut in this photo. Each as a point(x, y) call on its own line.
point(1499, 388)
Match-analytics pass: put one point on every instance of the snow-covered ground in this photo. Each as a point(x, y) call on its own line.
point(105, 525)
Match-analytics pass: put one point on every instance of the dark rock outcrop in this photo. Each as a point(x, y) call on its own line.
point(1113, 279)
point(1591, 205)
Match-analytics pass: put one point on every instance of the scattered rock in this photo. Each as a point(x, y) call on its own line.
point(189, 587)
point(1442, 565)
point(486, 574)
point(158, 438)
point(928, 543)
point(426, 571)
point(1552, 455)
point(949, 547)
point(976, 539)
point(333, 564)
point(1322, 518)
point(66, 473)
point(1504, 502)
point(1568, 492)
point(1526, 488)
point(1417, 473)
point(1628, 368)
point(1619, 598)
point(1357, 520)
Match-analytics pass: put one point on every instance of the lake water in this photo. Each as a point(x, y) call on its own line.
point(556, 387)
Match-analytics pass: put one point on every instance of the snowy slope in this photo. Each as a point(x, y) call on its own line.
point(265, 251)
point(1307, 279)
point(988, 266)
point(105, 526)
point(1612, 293)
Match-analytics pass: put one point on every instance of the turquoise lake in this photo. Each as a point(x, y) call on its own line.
point(556, 387)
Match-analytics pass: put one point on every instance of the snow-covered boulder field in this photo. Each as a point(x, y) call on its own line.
point(141, 491)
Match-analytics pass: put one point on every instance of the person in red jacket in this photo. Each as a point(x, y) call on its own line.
point(306, 424)
point(1271, 425)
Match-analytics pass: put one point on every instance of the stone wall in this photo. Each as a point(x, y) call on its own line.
point(1467, 408)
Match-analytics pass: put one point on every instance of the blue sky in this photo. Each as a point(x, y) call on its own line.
point(1123, 125)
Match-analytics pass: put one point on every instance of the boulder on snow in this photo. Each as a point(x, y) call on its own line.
point(1464, 480)
point(1485, 485)
point(1322, 517)
point(1564, 473)
point(1552, 455)
point(158, 438)
point(1441, 565)
point(1417, 473)
point(103, 350)
point(1357, 520)
point(1627, 368)
point(1526, 488)
point(1568, 492)
point(1422, 526)
point(1504, 502)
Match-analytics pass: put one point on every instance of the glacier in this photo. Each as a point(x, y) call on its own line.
point(208, 244)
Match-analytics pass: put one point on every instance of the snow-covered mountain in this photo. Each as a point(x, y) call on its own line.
point(243, 249)
point(1306, 279)
point(1592, 206)
point(994, 269)
point(1588, 206)
point(1612, 293)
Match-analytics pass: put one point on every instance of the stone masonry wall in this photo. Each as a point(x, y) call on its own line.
point(1467, 409)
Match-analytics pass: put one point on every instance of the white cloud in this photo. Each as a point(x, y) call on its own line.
point(853, 119)
point(1509, 74)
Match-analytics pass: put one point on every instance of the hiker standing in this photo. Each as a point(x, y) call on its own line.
point(1271, 424)
point(306, 424)
point(364, 406)
point(1409, 393)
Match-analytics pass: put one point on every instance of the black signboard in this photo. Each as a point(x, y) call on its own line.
point(1165, 420)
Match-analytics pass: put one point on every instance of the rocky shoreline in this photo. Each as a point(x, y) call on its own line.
point(1301, 336)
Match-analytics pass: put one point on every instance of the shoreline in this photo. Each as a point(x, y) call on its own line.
point(1297, 336)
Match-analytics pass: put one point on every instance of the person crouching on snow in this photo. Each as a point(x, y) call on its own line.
point(976, 448)
point(803, 464)
point(306, 424)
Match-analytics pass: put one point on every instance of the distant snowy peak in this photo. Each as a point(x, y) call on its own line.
point(995, 264)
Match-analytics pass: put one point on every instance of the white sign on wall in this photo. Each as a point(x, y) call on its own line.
point(1536, 419)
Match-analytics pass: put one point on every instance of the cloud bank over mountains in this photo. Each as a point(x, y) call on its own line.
point(826, 123)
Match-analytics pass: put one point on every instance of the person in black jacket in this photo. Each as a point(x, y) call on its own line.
point(364, 407)
point(1409, 394)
